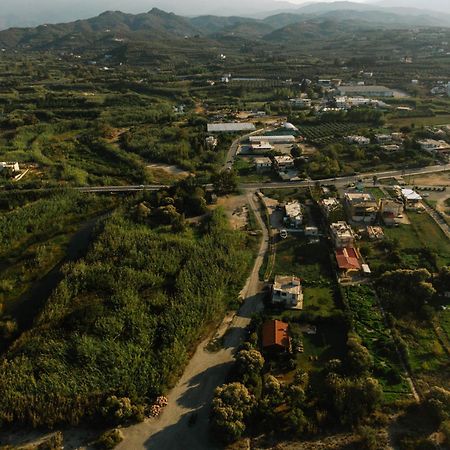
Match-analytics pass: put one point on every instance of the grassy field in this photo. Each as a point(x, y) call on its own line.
point(420, 121)
point(369, 325)
point(423, 232)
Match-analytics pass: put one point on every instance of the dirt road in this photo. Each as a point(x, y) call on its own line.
point(205, 371)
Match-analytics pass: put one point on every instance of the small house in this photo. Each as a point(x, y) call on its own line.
point(275, 336)
point(287, 291)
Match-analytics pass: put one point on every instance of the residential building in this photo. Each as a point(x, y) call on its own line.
point(263, 164)
point(283, 162)
point(359, 140)
point(366, 91)
point(390, 210)
point(275, 336)
point(293, 214)
point(277, 139)
point(361, 206)
point(329, 205)
point(342, 234)
point(411, 199)
point(301, 102)
point(287, 291)
point(432, 145)
point(348, 260)
point(383, 138)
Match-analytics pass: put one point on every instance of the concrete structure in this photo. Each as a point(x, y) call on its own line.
point(391, 147)
point(432, 145)
point(342, 235)
point(383, 138)
point(293, 214)
point(359, 140)
point(263, 164)
point(261, 147)
point(287, 292)
point(328, 205)
point(283, 162)
point(301, 102)
point(275, 336)
point(13, 167)
point(366, 91)
point(390, 210)
point(411, 199)
point(278, 139)
point(361, 207)
point(232, 127)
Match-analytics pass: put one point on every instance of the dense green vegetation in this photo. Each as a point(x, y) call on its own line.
point(132, 309)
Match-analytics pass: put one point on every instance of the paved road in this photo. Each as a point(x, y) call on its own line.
point(277, 185)
point(205, 371)
point(234, 147)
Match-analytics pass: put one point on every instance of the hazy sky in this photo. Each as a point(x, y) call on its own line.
point(35, 12)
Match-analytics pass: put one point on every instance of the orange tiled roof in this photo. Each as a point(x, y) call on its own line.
point(347, 259)
point(275, 332)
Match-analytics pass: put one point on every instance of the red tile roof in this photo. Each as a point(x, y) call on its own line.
point(347, 259)
point(275, 333)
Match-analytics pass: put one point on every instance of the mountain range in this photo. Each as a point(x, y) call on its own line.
point(157, 25)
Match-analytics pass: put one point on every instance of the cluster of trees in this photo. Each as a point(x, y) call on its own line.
point(118, 329)
point(255, 401)
point(44, 217)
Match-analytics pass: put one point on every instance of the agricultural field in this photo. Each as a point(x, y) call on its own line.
point(328, 133)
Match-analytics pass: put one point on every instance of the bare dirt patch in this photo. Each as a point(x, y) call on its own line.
point(431, 179)
point(236, 209)
point(165, 173)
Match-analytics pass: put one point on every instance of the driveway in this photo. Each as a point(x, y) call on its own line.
point(205, 371)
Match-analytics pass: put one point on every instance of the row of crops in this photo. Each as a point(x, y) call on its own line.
point(327, 133)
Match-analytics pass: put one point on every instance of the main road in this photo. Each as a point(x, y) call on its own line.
point(281, 184)
point(205, 371)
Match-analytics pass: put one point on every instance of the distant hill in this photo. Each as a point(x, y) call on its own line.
point(315, 21)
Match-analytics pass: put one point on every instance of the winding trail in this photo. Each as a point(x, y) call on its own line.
point(205, 371)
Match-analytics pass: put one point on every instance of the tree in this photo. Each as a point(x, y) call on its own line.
point(359, 358)
point(224, 182)
point(249, 362)
point(231, 405)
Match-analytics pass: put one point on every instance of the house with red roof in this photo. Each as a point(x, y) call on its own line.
point(275, 336)
point(348, 260)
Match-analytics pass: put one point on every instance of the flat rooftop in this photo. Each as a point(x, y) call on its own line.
point(230, 127)
point(288, 284)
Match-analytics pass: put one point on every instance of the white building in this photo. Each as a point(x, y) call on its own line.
point(301, 102)
point(11, 166)
point(211, 142)
point(411, 199)
point(359, 140)
point(365, 91)
point(278, 139)
point(261, 147)
point(432, 145)
point(293, 214)
point(390, 210)
point(287, 291)
point(342, 235)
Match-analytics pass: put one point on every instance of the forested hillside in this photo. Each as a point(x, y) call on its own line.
point(123, 320)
